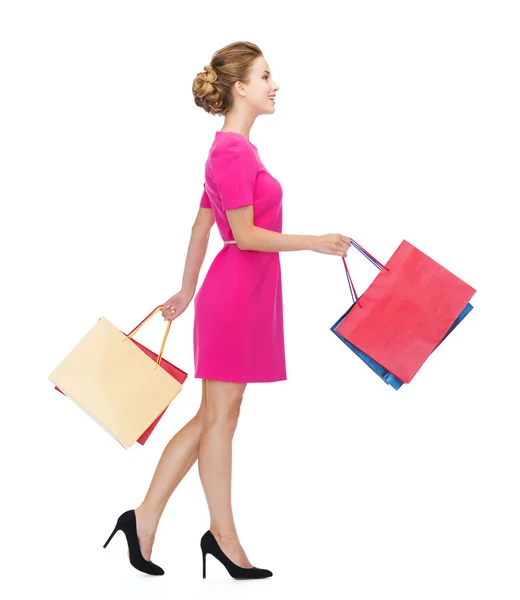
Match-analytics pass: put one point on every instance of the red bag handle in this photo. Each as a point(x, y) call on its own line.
point(373, 260)
point(136, 329)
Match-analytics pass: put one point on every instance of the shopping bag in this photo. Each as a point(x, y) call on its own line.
point(174, 371)
point(378, 369)
point(406, 312)
point(124, 387)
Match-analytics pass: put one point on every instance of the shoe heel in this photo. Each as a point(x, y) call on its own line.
point(203, 565)
point(111, 536)
point(209, 545)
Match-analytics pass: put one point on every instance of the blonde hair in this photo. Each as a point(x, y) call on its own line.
point(212, 88)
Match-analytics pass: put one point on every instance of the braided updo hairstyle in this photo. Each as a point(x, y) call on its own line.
point(212, 88)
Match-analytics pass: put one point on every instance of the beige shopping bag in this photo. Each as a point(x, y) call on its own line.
point(115, 382)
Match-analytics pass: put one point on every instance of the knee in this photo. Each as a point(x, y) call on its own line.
point(220, 406)
point(224, 417)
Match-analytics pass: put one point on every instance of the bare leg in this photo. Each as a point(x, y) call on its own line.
point(176, 460)
point(220, 420)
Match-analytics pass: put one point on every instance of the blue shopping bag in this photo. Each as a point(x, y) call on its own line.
point(378, 369)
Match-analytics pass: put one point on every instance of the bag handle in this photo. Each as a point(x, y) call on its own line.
point(369, 257)
point(136, 329)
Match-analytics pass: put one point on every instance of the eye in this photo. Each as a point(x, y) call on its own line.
point(266, 77)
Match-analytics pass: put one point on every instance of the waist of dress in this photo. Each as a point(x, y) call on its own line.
point(230, 242)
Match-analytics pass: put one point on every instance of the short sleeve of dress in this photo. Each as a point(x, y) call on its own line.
point(204, 201)
point(234, 168)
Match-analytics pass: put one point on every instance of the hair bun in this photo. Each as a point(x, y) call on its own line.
point(211, 76)
point(207, 95)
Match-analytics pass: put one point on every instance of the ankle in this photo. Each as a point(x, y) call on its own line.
point(149, 516)
point(226, 537)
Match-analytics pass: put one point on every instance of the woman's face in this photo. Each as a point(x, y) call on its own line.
point(260, 87)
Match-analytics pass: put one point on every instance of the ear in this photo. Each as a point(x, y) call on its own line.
point(239, 87)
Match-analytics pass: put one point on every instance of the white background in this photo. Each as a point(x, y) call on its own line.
point(394, 120)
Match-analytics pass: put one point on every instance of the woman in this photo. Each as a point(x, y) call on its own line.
point(238, 326)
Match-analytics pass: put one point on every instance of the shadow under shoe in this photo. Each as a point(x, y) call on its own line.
point(127, 524)
point(209, 545)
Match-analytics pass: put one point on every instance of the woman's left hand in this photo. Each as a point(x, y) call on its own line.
point(176, 305)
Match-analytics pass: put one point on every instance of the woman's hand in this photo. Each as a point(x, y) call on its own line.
point(331, 243)
point(176, 305)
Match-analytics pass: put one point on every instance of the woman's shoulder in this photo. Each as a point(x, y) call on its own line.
point(227, 142)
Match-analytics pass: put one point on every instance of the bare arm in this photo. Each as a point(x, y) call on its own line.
point(250, 237)
point(265, 240)
point(197, 249)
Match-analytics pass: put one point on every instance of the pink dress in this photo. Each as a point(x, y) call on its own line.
point(238, 332)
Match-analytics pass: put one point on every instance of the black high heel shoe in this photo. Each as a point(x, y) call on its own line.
point(126, 523)
point(209, 545)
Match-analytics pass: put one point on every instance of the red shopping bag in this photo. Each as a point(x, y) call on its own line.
point(406, 311)
point(170, 368)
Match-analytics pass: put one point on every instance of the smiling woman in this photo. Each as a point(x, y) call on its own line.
point(238, 332)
